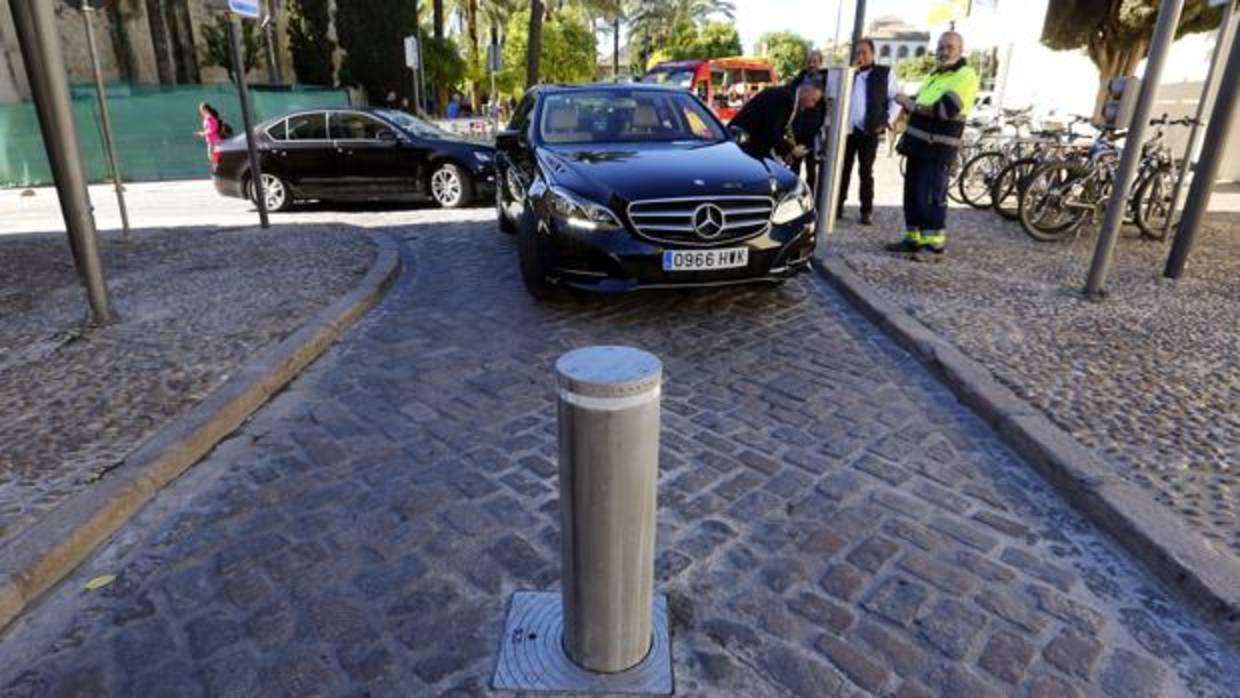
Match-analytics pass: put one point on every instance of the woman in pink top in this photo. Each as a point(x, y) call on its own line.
point(210, 132)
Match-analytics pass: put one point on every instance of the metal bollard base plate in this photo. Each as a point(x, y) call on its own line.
point(532, 656)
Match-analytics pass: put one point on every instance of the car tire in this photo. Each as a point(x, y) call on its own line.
point(506, 226)
point(450, 186)
point(275, 190)
point(532, 261)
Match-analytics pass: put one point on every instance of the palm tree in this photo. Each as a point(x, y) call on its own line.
point(534, 49)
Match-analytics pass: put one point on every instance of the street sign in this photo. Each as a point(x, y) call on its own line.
point(411, 51)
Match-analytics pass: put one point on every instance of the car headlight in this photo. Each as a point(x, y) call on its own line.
point(796, 204)
point(579, 212)
point(481, 156)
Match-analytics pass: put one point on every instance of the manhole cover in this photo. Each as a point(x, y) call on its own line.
point(532, 657)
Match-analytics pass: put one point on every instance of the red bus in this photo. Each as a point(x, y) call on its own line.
point(725, 84)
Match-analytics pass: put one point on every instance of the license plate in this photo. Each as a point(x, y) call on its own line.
point(697, 260)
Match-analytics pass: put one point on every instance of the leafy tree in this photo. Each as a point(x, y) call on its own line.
point(718, 40)
point(916, 68)
point(670, 26)
point(372, 35)
point(312, 49)
point(217, 49)
point(442, 62)
point(568, 55)
point(786, 50)
point(1116, 33)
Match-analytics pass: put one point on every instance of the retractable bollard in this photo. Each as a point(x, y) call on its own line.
point(605, 631)
point(609, 468)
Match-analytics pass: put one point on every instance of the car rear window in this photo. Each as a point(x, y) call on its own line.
point(626, 116)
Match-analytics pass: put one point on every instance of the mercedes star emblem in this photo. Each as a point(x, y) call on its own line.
point(708, 221)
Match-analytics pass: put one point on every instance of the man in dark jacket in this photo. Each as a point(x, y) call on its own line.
point(872, 110)
point(768, 117)
point(808, 122)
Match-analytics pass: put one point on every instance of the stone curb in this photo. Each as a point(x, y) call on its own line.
point(48, 551)
point(1177, 556)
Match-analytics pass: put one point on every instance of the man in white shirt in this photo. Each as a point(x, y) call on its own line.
point(873, 110)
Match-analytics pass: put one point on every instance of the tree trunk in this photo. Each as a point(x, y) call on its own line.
point(441, 91)
point(126, 62)
point(186, 52)
point(159, 41)
point(615, 49)
point(534, 49)
point(471, 9)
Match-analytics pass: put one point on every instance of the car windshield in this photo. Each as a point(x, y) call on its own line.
point(414, 125)
point(618, 116)
point(670, 76)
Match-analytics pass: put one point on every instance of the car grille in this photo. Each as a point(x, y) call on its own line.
point(676, 221)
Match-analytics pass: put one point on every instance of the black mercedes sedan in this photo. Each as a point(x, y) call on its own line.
point(357, 154)
point(618, 187)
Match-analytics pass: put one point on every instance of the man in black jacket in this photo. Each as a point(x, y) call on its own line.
point(768, 117)
point(873, 109)
point(808, 122)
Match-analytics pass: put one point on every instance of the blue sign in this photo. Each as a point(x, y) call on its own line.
point(245, 8)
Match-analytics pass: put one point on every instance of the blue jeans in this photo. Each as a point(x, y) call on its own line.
point(925, 194)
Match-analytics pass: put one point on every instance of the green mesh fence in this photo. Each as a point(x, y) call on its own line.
point(153, 127)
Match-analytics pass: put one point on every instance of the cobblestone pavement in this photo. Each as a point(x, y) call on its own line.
point(1149, 378)
point(195, 303)
point(832, 522)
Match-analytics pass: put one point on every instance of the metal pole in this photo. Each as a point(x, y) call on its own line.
point(109, 145)
point(239, 69)
point(835, 41)
point(858, 29)
point(1212, 153)
point(39, 39)
point(609, 468)
point(1164, 34)
point(832, 168)
point(1226, 34)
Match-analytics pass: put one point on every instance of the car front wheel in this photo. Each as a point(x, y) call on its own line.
point(450, 186)
point(533, 263)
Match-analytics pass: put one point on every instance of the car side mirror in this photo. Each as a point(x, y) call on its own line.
point(389, 136)
point(509, 140)
point(740, 135)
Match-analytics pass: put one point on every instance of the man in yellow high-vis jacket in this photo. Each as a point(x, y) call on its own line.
point(936, 123)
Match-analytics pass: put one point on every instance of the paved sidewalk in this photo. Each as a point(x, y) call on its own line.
point(1147, 378)
point(195, 304)
point(832, 522)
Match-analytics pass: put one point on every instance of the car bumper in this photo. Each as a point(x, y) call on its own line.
point(227, 187)
point(619, 261)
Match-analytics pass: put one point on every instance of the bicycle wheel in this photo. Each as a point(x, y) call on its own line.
point(953, 174)
point(1050, 208)
point(1153, 202)
point(1007, 185)
point(977, 175)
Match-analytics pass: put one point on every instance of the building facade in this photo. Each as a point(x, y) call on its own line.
point(140, 41)
point(895, 41)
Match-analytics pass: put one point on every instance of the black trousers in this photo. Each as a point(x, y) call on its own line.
point(925, 195)
point(863, 148)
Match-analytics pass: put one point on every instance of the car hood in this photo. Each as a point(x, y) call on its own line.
point(637, 171)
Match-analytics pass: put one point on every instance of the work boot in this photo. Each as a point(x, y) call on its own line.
point(933, 247)
point(910, 244)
